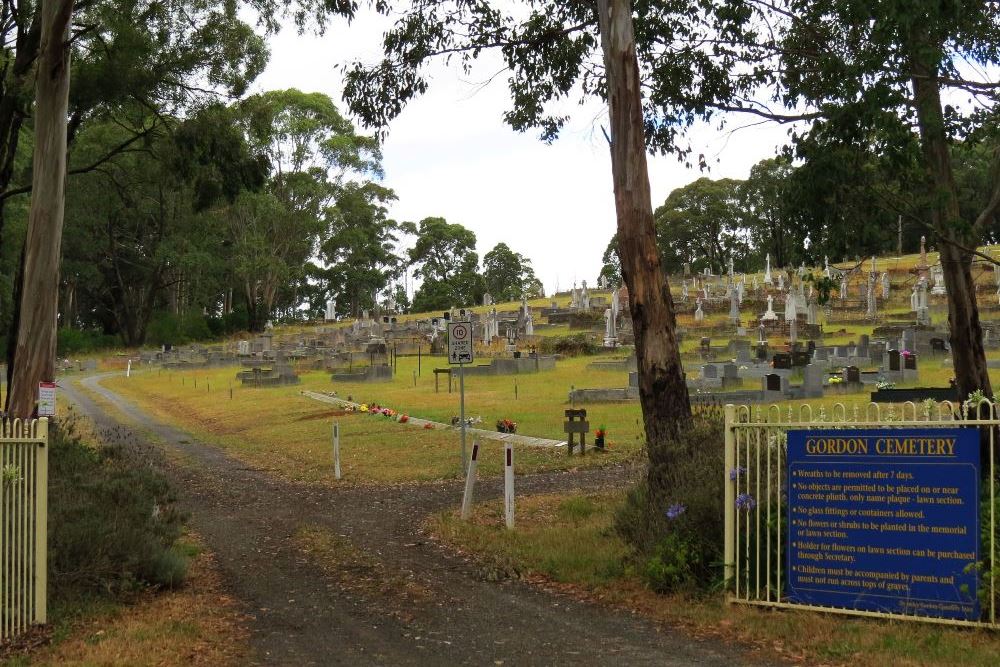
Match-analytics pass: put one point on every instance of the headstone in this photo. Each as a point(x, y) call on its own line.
point(892, 360)
point(885, 286)
point(772, 382)
point(709, 372)
point(331, 311)
point(790, 307)
point(699, 314)
point(910, 361)
point(852, 375)
point(781, 360)
point(938, 344)
point(812, 379)
point(770, 315)
point(730, 372)
point(767, 271)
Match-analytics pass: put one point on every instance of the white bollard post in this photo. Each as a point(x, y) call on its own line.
point(470, 480)
point(336, 450)
point(508, 484)
point(128, 369)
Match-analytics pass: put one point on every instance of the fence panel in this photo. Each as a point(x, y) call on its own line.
point(756, 493)
point(23, 525)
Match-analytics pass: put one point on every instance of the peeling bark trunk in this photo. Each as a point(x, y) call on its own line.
point(34, 358)
point(966, 334)
point(663, 394)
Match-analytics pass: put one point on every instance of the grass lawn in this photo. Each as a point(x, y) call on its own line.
point(280, 430)
point(566, 541)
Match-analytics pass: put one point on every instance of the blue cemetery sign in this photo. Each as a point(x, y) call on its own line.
point(885, 520)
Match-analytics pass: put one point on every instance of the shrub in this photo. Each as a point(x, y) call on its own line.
point(673, 520)
point(569, 346)
point(165, 327)
point(112, 524)
point(76, 341)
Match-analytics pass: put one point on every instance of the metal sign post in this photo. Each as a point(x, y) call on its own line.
point(460, 353)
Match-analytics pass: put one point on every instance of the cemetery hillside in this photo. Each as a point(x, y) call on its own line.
point(313, 355)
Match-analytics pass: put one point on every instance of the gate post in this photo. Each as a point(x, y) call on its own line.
point(729, 553)
point(41, 519)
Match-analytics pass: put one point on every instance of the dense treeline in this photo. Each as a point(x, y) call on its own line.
point(194, 210)
point(813, 202)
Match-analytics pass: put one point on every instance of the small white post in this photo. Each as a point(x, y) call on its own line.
point(470, 480)
point(508, 484)
point(128, 369)
point(336, 450)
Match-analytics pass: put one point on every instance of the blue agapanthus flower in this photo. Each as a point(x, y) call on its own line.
point(675, 511)
point(745, 501)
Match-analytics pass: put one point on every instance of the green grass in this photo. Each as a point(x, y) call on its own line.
point(280, 430)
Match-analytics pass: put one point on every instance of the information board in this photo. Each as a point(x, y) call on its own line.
point(459, 343)
point(46, 399)
point(884, 520)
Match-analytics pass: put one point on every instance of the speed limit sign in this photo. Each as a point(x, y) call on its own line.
point(459, 343)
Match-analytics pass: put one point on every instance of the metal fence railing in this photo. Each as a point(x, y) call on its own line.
point(757, 496)
point(23, 524)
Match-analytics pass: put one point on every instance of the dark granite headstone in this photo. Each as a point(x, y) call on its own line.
point(893, 356)
point(772, 382)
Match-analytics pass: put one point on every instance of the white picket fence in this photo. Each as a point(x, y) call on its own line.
point(24, 485)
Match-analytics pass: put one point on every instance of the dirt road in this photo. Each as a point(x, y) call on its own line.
point(392, 596)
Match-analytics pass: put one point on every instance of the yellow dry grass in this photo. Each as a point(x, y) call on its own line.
point(198, 624)
point(566, 542)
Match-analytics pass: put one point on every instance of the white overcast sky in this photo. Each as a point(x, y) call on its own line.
point(451, 155)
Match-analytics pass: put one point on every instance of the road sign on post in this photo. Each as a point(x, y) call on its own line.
point(460, 342)
point(460, 352)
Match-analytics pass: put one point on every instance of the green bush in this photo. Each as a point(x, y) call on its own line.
point(112, 522)
point(674, 519)
point(168, 328)
point(569, 346)
point(79, 341)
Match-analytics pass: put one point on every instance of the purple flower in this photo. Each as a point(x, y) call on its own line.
point(745, 501)
point(675, 511)
point(736, 472)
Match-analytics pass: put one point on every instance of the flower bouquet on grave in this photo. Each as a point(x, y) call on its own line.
point(404, 418)
point(599, 435)
point(506, 426)
point(835, 380)
point(363, 408)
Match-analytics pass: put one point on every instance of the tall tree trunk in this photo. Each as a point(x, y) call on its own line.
point(34, 358)
point(967, 351)
point(666, 408)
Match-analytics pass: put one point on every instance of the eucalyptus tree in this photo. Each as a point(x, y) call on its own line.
point(865, 72)
point(360, 251)
point(314, 158)
point(508, 275)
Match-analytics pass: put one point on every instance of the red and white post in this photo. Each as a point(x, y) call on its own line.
point(470, 480)
point(508, 484)
point(336, 450)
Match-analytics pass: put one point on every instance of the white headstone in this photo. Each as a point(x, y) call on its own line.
point(699, 315)
point(767, 271)
point(790, 307)
point(770, 315)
